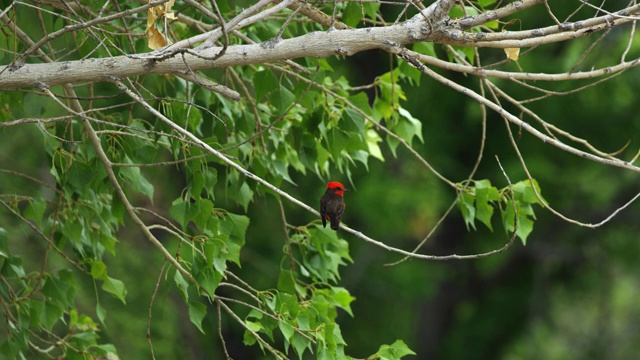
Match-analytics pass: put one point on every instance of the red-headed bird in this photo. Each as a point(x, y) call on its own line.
point(332, 204)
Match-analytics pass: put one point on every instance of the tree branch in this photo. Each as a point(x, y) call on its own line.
point(175, 60)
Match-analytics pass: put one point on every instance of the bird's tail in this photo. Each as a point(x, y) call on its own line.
point(335, 221)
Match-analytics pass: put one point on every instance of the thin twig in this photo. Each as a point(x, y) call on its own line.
point(149, 315)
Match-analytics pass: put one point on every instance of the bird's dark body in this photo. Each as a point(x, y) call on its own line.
point(331, 208)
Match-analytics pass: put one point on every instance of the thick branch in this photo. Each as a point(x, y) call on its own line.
point(316, 44)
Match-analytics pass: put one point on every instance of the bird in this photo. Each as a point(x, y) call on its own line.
point(332, 204)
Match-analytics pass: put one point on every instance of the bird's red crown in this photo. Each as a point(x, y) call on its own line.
point(337, 186)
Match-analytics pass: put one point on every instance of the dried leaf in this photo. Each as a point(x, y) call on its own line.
point(154, 36)
point(156, 39)
point(512, 53)
point(167, 10)
point(151, 13)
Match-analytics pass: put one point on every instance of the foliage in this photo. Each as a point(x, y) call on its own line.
point(477, 202)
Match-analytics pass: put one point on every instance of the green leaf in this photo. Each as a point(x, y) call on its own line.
point(82, 177)
point(282, 169)
point(485, 196)
point(197, 312)
point(101, 313)
point(244, 196)
point(414, 75)
point(394, 351)
point(373, 138)
point(210, 180)
point(352, 14)
point(457, 11)
point(352, 122)
point(323, 64)
point(134, 178)
point(523, 190)
point(494, 25)
point(485, 3)
point(525, 225)
point(59, 291)
point(408, 128)
point(484, 212)
point(264, 82)
point(343, 298)
point(178, 212)
point(15, 270)
point(287, 281)
point(322, 157)
point(325, 254)
point(336, 141)
point(389, 87)
point(361, 101)
point(249, 339)
point(488, 191)
point(282, 99)
point(525, 197)
point(117, 209)
point(465, 204)
point(195, 183)
point(50, 315)
point(286, 329)
point(202, 212)
point(74, 232)
point(209, 280)
point(370, 9)
point(235, 226)
point(285, 303)
point(300, 344)
point(182, 285)
point(382, 108)
point(35, 210)
point(116, 288)
point(425, 48)
point(108, 351)
point(35, 309)
point(467, 52)
point(4, 245)
point(98, 270)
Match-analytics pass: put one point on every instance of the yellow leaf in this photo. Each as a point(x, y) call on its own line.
point(167, 10)
point(156, 39)
point(154, 36)
point(512, 53)
point(151, 13)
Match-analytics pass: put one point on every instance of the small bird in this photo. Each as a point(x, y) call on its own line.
point(332, 204)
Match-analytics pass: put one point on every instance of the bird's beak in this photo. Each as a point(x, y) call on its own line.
point(346, 190)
